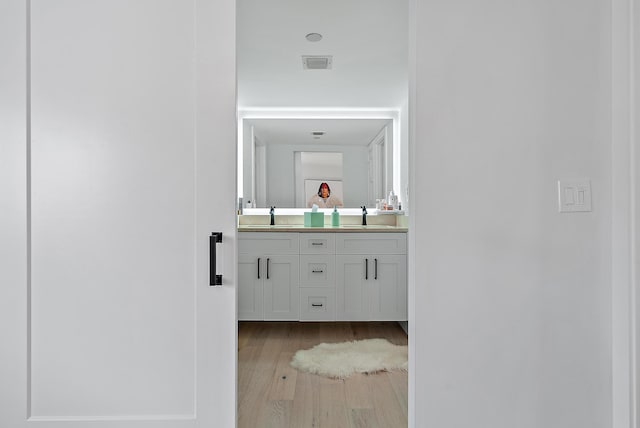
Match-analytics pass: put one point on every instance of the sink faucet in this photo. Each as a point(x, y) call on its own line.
point(364, 215)
point(273, 218)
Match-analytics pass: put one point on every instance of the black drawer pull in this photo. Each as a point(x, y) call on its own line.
point(214, 278)
point(317, 243)
point(317, 271)
point(317, 305)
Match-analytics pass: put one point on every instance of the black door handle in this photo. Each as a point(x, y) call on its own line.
point(268, 259)
point(366, 268)
point(214, 278)
point(258, 267)
point(376, 271)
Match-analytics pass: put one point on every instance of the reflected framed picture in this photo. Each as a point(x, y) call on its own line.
point(312, 187)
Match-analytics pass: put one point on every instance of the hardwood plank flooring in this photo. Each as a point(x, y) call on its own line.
point(272, 394)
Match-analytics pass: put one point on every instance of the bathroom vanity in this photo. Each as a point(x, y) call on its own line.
point(346, 273)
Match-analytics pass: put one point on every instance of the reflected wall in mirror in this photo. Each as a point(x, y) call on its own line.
point(318, 179)
point(282, 156)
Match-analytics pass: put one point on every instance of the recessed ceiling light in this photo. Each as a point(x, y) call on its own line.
point(313, 37)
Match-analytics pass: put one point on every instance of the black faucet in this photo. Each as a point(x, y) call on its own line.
point(273, 219)
point(364, 215)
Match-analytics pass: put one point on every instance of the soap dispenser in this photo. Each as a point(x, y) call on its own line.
point(392, 201)
point(335, 217)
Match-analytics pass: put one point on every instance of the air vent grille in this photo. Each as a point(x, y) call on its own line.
point(317, 62)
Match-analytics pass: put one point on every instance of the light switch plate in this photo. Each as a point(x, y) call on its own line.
point(574, 195)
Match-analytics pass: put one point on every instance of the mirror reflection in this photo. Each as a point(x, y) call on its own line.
point(324, 192)
point(340, 62)
point(293, 163)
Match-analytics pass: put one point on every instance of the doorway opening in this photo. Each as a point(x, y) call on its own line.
point(301, 284)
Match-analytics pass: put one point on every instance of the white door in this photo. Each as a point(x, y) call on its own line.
point(118, 153)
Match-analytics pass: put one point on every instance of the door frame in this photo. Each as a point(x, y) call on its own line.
point(625, 222)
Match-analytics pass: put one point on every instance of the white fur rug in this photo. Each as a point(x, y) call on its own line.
point(340, 360)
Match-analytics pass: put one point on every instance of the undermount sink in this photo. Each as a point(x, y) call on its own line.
point(268, 226)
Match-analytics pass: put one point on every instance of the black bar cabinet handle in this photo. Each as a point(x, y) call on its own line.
point(316, 305)
point(366, 268)
point(214, 278)
point(317, 271)
point(268, 259)
point(376, 271)
point(258, 267)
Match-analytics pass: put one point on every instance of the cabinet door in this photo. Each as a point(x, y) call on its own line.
point(281, 289)
point(352, 295)
point(388, 288)
point(250, 287)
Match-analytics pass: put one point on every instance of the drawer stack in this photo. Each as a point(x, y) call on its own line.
point(317, 277)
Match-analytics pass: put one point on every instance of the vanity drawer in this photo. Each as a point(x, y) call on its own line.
point(317, 243)
point(317, 304)
point(371, 243)
point(317, 270)
point(268, 243)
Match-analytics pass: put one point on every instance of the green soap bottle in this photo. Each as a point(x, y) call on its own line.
point(335, 217)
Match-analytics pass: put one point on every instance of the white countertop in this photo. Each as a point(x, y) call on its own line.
point(302, 228)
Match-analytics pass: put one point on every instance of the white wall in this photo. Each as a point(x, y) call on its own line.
point(326, 165)
point(280, 173)
point(247, 164)
point(512, 298)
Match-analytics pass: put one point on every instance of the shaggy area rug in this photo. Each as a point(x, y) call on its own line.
point(340, 360)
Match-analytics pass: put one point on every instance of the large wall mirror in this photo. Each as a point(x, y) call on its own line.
point(334, 67)
point(284, 161)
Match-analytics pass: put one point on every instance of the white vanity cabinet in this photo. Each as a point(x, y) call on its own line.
point(322, 276)
point(268, 276)
point(371, 277)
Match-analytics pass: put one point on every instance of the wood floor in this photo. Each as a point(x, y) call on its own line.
point(271, 394)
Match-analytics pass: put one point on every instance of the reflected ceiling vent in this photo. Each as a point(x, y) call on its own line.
point(317, 62)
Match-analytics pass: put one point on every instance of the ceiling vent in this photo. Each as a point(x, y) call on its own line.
point(317, 62)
